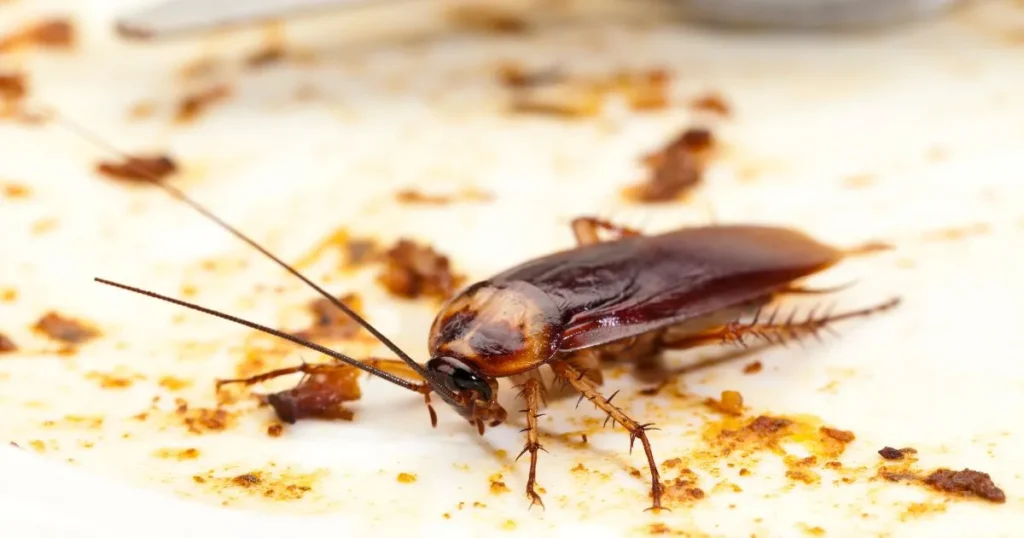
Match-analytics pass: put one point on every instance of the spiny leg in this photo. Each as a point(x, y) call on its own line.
point(636, 430)
point(773, 332)
point(531, 393)
point(585, 229)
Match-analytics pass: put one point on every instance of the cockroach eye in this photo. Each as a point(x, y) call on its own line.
point(459, 377)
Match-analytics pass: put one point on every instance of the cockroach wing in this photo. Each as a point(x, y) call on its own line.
point(619, 289)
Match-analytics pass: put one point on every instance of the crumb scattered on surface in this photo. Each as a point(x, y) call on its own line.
point(13, 88)
point(675, 170)
point(267, 55)
point(15, 190)
point(712, 102)
point(143, 168)
point(515, 75)
point(843, 436)
point(557, 94)
point(110, 380)
point(730, 403)
point(497, 484)
point(194, 104)
point(485, 18)
point(329, 322)
point(753, 368)
point(199, 420)
point(277, 486)
point(320, 395)
point(275, 430)
point(180, 454)
point(406, 478)
point(65, 329)
point(174, 383)
point(54, 33)
point(7, 345)
point(415, 197)
point(966, 482)
point(891, 453)
point(412, 270)
point(682, 489)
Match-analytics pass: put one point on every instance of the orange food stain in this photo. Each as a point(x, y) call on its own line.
point(406, 478)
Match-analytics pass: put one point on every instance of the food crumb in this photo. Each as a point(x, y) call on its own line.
point(712, 102)
point(200, 420)
point(177, 453)
point(7, 345)
point(110, 381)
point(842, 436)
point(194, 104)
point(246, 480)
point(497, 485)
point(144, 168)
point(320, 394)
point(269, 54)
point(275, 430)
point(14, 190)
point(676, 169)
point(891, 453)
point(730, 403)
point(173, 383)
point(509, 525)
point(331, 322)
point(446, 515)
point(412, 270)
point(966, 482)
point(752, 368)
point(55, 33)
point(415, 197)
point(65, 329)
point(406, 478)
point(486, 18)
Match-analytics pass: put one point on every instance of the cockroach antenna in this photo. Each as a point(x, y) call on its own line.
point(432, 384)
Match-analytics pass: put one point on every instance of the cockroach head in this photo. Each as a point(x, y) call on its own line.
point(471, 394)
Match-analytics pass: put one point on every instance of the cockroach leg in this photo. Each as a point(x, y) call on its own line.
point(531, 394)
point(585, 229)
point(636, 430)
point(771, 331)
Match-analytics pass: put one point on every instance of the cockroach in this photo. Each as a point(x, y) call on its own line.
point(624, 296)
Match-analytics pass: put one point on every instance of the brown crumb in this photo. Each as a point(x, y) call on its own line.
point(966, 482)
point(413, 196)
point(413, 271)
point(730, 403)
point(110, 381)
point(645, 90)
point(7, 345)
point(320, 395)
point(139, 168)
point(497, 485)
point(843, 436)
point(406, 478)
point(329, 321)
point(13, 87)
point(275, 430)
point(14, 190)
point(200, 420)
point(683, 488)
point(753, 368)
point(65, 329)
point(173, 383)
point(194, 104)
point(47, 34)
point(177, 453)
point(269, 54)
point(486, 18)
point(247, 480)
point(8, 295)
point(891, 453)
point(712, 102)
point(514, 75)
point(676, 169)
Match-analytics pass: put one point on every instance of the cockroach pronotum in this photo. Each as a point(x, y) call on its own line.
point(628, 296)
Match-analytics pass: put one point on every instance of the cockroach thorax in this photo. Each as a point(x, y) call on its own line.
point(499, 330)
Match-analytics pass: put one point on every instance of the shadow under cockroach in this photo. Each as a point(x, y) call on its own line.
point(623, 298)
